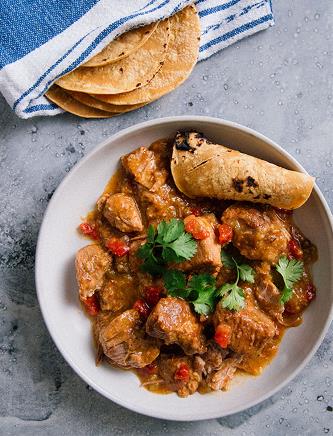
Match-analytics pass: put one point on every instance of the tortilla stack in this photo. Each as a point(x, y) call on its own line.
point(181, 57)
point(123, 46)
point(126, 74)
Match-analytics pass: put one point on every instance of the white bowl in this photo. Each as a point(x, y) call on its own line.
point(70, 328)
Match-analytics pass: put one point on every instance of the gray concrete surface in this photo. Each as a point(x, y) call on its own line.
point(279, 82)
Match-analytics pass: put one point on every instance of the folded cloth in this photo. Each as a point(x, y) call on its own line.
point(41, 41)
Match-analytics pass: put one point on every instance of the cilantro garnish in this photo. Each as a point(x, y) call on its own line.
point(200, 290)
point(232, 295)
point(169, 243)
point(291, 271)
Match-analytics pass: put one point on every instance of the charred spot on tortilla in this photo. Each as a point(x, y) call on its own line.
point(250, 182)
point(138, 84)
point(238, 184)
point(266, 196)
point(183, 140)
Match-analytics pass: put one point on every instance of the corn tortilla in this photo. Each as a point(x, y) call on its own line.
point(123, 46)
point(68, 103)
point(203, 169)
point(88, 100)
point(125, 75)
point(181, 57)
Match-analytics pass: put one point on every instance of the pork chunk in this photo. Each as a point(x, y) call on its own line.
point(124, 342)
point(220, 379)
point(208, 255)
point(144, 166)
point(250, 327)
point(91, 265)
point(213, 357)
point(265, 291)
point(123, 213)
point(118, 293)
point(173, 321)
point(258, 232)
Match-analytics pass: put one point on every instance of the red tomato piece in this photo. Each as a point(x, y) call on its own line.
point(117, 247)
point(225, 233)
point(142, 307)
point(182, 373)
point(310, 292)
point(152, 294)
point(223, 335)
point(294, 249)
point(196, 211)
point(89, 230)
point(194, 227)
point(91, 305)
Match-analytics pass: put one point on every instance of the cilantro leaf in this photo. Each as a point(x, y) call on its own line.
point(286, 294)
point(145, 251)
point(200, 289)
point(173, 230)
point(151, 234)
point(205, 303)
point(291, 271)
point(227, 260)
point(174, 279)
point(202, 282)
point(168, 243)
point(232, 296)
point(246, 273)
point(152, 267)
point(169, 255)
point(185, 246)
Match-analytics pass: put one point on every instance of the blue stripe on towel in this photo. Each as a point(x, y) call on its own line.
point(44, 40)
point(218, 8)
point(236, 31)
point(27, 24)
point(83, 55)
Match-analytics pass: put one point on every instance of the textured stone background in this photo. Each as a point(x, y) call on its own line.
point(279, 82)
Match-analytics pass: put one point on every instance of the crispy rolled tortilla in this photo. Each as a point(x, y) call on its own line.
point(203, 169)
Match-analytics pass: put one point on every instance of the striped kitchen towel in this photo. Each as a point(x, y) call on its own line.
point(41, 41)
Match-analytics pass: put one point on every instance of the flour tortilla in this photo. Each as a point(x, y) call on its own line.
point(203, 169)
point(123, 46)
point(125, 75)
point(88, 100)
point(181, 57)
point(68, 103)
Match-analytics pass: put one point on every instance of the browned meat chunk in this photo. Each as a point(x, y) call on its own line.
point(303, 293)
point(213, 357)
point(250, 327)
point(258, 233)
point(119, 292)
point(169, 366)
point(173, 321)
point(162, 204)
point(208, 255)
point(265, 291)
point(91, 265)
point(143, 165)
point(124, 341)
point(221, 378)
point(123, 213)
